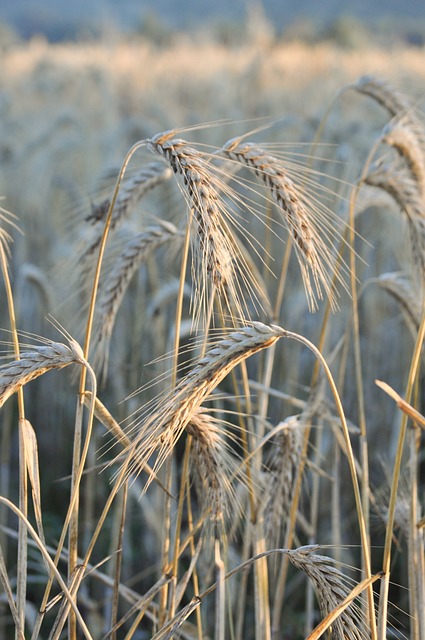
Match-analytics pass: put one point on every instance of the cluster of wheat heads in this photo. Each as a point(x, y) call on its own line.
point(231, 497)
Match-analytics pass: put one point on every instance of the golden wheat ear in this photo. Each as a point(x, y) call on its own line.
point(307, 225)
point(32, 364)
point(166, 420)
point(331, 587)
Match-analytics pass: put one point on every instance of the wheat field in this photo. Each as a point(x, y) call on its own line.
point(212, 318)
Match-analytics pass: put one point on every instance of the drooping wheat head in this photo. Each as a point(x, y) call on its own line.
point(131, 193)
point(164, 421)
point(401, 288)
point(53, 355)
point(216, 259)
point(306, 223)
point(279, 479)
point(405, 192)
point(330, 586)
point(393, 100)
point(405, 139)
point(213, 465)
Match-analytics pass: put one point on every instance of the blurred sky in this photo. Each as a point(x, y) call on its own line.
point(62, 18)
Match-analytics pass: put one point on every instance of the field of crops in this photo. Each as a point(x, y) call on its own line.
point(212, 318)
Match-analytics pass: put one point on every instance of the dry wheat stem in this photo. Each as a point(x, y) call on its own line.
point(4, 580)
point(386, 562)
point(52, 565)
point(362, 521)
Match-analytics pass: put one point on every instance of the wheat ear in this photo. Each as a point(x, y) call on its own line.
point(405, 192)
point(214, 253)
point(164, 425)
point(212, 464)
point(280, 478)
point(34, 363)
point(405, 139)
point(128, 262)
point(331, 589)
point(386, 95)
point(131, 192)
point(313, 254)
point(400, 287)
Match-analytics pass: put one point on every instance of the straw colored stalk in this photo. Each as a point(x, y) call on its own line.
point(162, 427)
point(331, 588)
point(215, 258)
point(134, 254)
point(313, 253)
point(34, 363)
point(131, 192)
